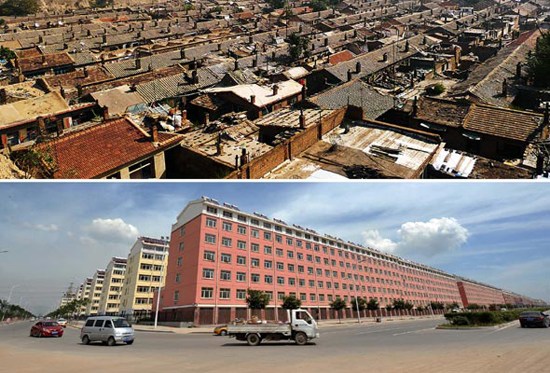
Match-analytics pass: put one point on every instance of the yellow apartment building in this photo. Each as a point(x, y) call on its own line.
point(109, 302)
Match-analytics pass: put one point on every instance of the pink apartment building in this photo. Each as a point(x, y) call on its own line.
point(217, 252)
point(473, 292)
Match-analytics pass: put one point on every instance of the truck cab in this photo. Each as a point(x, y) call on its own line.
point(302, 321)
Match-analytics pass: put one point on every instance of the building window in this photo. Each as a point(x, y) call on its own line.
point(268, 264)
point(241, 245)
point(241, 218)
point(181, 246)
point(291, 281)
point(227, 214)
point(267, 250)
point(280, 266)
point(207, 293)
point(311, 283)
point(255, 277)
point(279, 252)
point(300, 269)
point(241, 260)
point(211, 223)
point(226, 258)
point(280, 295)
point(290, 254)
point(226, 242)
point(241, 229)
point(301, 282)
point(178, 278)
point(255, 248)
point(176, 295)
point(255, 222)
point(278, 238)
point(289, 241)
point(180, 261)
point(227, 226)
point(312, 297)
point(290, 267)
point(225, 275)
point(210, 238)
point(225, 293)
point(300, 256)
point(255, 262)
point(280, 280)
point(209, 255)
point(303, 297)
point(241, 276)
point(241, 294)
point(267, 236)
point(268, 279)
point(321, 297)
point(207, 273)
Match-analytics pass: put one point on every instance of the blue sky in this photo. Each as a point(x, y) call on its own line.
point(57, 233)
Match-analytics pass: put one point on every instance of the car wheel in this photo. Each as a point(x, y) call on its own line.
point(130, 342)
point(86, 340)
point(111, 341)
point(300, 338)
point(223, 332)
point(253, 339)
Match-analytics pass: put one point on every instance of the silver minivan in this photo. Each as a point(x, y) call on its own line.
point(107, 329)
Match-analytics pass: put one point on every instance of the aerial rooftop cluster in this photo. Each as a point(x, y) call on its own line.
point(278, 89)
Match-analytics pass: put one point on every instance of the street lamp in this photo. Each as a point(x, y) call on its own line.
point(165, 240)
point(355, 286)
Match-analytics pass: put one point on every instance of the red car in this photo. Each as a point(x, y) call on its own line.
point(47, 329)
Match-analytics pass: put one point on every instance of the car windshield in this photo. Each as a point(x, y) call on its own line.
point(121, 323)
point(49, 323)
point(530, 314)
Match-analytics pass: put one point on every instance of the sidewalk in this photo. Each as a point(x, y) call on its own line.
point(208, 329)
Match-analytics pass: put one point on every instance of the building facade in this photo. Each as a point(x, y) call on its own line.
point(92, 309)
point(85, 294)
point(109, 302)
point(145, 271)
point(473, 292)
point(217, 252)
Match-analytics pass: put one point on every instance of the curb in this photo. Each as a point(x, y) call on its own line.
point(153, 331)
point(499, 326)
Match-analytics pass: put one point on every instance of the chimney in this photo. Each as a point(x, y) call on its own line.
point(86, 74)
point(358, 67)
point(138, 63)
point(219, 145)
point(44, 62)
point(302, 119)
point(415, 106)
point(326, 42)
point(252, 99)
point(385, 57)
point(183, 115)
point(255, 61)
point(407, 47)
point(275, 89)
point(79, 89)
point(194, 77)
point(546, 118)
point(304, 91)
point(236, 65)
point(104, 37)
point(244, 157)
point(349, 75)
point(504, 88)
point(154, 133)
point(206, 119)
point(182, 53)
point(105, 113)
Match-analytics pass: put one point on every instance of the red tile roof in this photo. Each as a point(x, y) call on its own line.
point(45, 61)
point(100, 150)
point(339, 57)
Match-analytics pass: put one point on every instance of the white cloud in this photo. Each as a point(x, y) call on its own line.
point(43, 227)
point(373, 239)
point(436, 236)
point(112, 229)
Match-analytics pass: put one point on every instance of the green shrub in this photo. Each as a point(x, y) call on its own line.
point(460, 321)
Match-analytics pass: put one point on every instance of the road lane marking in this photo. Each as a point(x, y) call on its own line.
point(413, 331)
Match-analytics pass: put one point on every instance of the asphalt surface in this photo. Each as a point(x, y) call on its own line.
point(412, 345)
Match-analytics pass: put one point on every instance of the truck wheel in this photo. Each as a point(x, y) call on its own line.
point(253, 339)
point(300, 338)
point(223, 333)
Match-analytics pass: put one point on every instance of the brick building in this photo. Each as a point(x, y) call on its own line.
point(473, 292)
point(217, 252)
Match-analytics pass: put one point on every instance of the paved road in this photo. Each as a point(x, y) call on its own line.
point(411, 346)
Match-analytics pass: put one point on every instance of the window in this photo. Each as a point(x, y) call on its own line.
point(255, 248)
point(241, 260)
point(280, 295)
point(267, 236)
point(241, 294)
point(268, 279)
point(300, 269)
point(211, 223)
point(303, 296)
point(178, 278)
point(329, 297)
point(255, 221)
point(319, 272)
point(298, 243)
point(280, 280)
point(279, 252)
point(309, 258)
point(309, 270)
point(207, 292)
point(241, 229)
point(226, 258)
point(290, 254)
point(301, 282)
point(278, 238)
point(176, 295)
point(226, 242)
point(241, 245)
point(225, 275)
point(312, 297)
point(321, 297)
point(300, 256)
point(225, 293)
point(291, 281)
point(289, 241)
point(311, 283)
point(180, 261)
point(255, 277)
point(241, 276)
point(255, 262)
point(268, 264)
point(280, 266)
point(209, 255)
point(255, 233)
point(227, 214)
point(267, 250)
point(210, 238)
point(290, 267)
point(207, 273)
point(181, 246)
point(211, 210)
point(227, 226)
point(320, 284)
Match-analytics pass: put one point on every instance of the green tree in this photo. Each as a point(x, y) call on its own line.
point(257, 299)
point(6, 53)
point(373, 305)
point(19, 7)
point(409, 306)
point(538, 62)
point(361, 302)
point(298, 46)
point(291, 303)
point(337, 305)
point(399, 304)
point(437, 305)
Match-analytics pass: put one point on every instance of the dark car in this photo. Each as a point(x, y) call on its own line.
point(534, 318)
point(46, 328)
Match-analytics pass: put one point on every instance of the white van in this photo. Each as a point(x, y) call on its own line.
point(107, 329)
